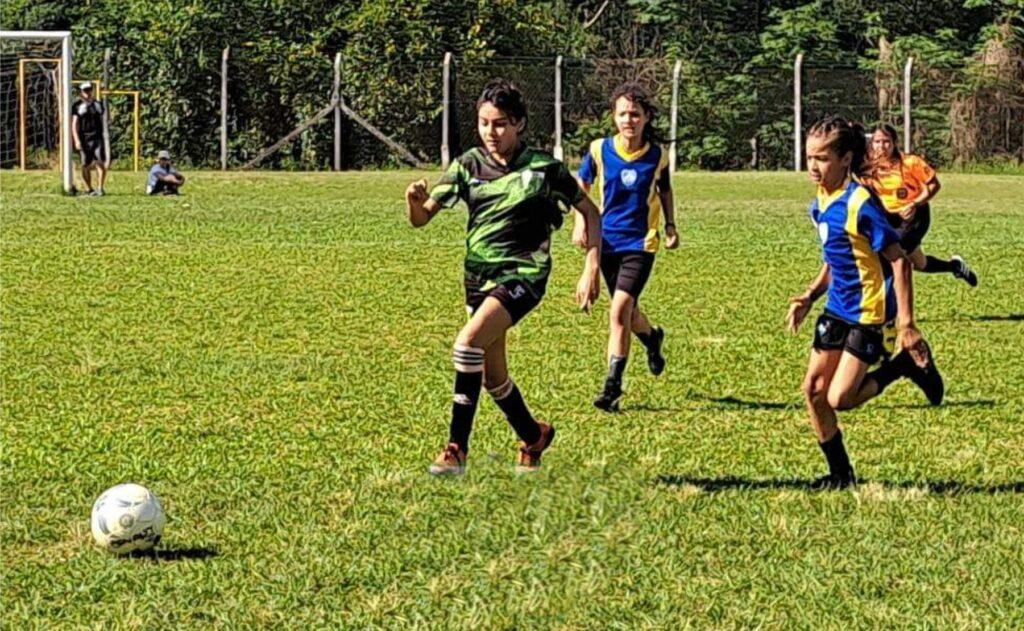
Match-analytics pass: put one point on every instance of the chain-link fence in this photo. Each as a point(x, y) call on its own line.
point(734, 117)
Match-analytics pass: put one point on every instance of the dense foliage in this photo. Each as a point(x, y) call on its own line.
point(737, 54)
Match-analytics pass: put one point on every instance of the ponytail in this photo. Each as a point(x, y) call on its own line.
point(844, 136)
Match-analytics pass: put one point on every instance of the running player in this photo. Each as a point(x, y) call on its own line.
point(513, 194)
point(630, 171)
point(868, 280)
point(906, 184)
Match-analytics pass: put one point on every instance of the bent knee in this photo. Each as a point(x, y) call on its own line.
point(842, 399)
point(813, 388)
point(623, 310)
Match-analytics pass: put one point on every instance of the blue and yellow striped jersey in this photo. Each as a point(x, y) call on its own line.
point(853, 229)
point(627, 186)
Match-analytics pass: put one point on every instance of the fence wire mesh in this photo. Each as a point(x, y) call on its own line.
point(728, 117)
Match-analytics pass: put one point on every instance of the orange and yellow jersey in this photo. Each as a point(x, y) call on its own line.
point(854, 230)
point(902, 183)
point(627, 186)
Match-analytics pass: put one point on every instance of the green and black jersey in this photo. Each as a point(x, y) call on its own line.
point(512, 211)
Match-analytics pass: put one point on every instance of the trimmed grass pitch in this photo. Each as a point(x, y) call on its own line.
point(270, 353)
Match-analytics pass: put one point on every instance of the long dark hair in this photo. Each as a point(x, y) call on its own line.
point(844, 136)
point(637, 94)
point(877, 161)
point(504, 95)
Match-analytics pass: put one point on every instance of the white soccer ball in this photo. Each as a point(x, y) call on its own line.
point(127, 518)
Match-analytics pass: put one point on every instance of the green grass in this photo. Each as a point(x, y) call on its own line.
point(271, 355)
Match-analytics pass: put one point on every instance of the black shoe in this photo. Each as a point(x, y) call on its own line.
point(655, 360)
point(963, 271)
point(927, 379)
point(832, 482)
point(608, 400)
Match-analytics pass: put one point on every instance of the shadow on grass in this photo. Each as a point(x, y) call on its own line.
point(937, 487)
point(1007, 317)
point(175, 553)
point(975, 403)
point(733, 402)
point(647, 407)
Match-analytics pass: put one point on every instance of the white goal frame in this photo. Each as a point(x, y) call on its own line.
point(64, 37)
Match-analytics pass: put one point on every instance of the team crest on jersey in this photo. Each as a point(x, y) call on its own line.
point(628, 177)
point(902, 193)
point(529, 176)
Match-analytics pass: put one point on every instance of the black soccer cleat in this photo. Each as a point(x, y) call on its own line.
point(963, 271)
point(609, 398)
point(928, 379)
point(655, 360)
point(833, 482)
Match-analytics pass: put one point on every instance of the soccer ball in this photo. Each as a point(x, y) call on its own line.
point(127, 518)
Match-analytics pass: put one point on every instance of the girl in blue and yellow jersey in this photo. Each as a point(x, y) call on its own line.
point(868, 280)
point(905, 184)
point(630, 172)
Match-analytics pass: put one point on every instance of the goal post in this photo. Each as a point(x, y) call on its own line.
point(64, 88)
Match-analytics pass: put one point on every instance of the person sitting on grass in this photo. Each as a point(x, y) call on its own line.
point(164, 179)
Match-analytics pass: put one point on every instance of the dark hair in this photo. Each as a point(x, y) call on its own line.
point(637, 94)
point(890, 131)
point(843, 136)
point(504, 95)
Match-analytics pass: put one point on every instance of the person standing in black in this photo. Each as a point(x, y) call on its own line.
point(87, 134)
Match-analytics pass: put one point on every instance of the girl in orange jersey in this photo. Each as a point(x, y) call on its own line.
point(906, 184)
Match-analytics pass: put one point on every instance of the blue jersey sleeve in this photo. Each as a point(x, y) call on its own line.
point(872, 223)
point(588, 169)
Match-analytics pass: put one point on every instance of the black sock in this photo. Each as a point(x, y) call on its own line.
point(508, 397)
point(890, 370)
point(646, 338)
point(616, 368)
point(469, 376)
point(933, 265)
point(467, 391)
point(835, 453)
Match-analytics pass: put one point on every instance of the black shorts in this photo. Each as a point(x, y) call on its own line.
point(912, 232)
point(162, 188)
point(864, 341)
point(626, 271)
point(92, 151)
point(518, 297)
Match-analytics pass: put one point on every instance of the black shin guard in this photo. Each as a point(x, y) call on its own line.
point(617, 368)
point(508, 397)
point(891, 370)
point(835, 454)
point(933, 265)
point(469, 367)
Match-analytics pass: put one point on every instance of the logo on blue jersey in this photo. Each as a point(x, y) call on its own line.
point(628, 177)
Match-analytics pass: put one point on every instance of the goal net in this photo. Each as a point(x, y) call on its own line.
point(35, 95)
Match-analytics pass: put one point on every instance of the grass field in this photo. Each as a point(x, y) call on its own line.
point(270, 353)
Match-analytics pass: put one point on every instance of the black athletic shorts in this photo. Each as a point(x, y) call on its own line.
point(92, 151)
point(518, 297)
point(912, 232)
point(864, 341)
point(626, 271)
point(162, 188)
